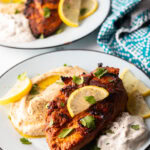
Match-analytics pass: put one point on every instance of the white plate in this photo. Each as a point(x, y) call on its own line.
point(9, 138)
point(70, 34)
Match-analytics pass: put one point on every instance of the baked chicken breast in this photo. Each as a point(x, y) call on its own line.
point(104, 112)
point(43, 16)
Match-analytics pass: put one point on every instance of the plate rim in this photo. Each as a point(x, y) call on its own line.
point(29, 48)
point(65, 50)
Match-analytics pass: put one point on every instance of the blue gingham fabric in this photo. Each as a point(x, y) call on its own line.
point(127, 38)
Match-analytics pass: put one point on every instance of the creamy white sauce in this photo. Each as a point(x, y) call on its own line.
point(124, 137)
point(14, 28)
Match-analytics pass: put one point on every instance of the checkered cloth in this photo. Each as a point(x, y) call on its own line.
point(126, 32)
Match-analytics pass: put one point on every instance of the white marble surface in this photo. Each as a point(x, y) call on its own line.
point(10, 57)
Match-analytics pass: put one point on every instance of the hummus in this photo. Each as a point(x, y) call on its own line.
point(11, 8)
point(14, 28)
point(28, 115)
point(127, 133)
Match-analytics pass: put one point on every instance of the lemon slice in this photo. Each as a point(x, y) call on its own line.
point(78, 101)
point(131, 83)
point(69, 12)
point(137, 105)
point(88, 7)
point(20, 89)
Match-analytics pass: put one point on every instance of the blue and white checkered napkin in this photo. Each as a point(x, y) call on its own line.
point(126, 32)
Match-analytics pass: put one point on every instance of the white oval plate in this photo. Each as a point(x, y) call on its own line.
point(70, 34)
point(87, 59)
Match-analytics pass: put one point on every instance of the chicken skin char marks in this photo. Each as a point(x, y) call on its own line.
point(104, 112)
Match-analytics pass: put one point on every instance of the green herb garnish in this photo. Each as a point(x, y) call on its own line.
point(62, 104)
point(60, 83)
point(42, 36)
point(83, 11)
point(65, 65)
point(25, 141)
point(109, 131)
point(47, 12)
point(135, 127)
point(60, 30)
point(110, 80)
point(17, 11)
point(65, 132)
point(78, 80)
point(100, 72)
point(47, 105)
point(51, 123)
point(22, 76)
point(34, 90)
point(68, 6)
point(88, 121)
point(90, 99)
point(9, 117)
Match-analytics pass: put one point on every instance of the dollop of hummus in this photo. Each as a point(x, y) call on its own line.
point(127, 133)
point(28, 115)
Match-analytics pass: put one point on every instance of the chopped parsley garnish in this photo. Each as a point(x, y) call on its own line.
point(47, 105)
point(51, 123)
point(68, 6)
point(17, 11)
point(22, 76)
point(47, 12)
point(34, 90)
point(25, 141)
point(88, 121)
point(110, 80)
point(9, 117)
point(60, 30)
point(109, 131)
point(62, 104)
point(135, 127)
point(83, 11)
point(100, 72)
point(60, 83)
point(42, 36)
point(90, 99)
point(65, 132)
point(96, 148)
point(78, 80)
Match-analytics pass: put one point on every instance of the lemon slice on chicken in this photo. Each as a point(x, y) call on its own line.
point(20, 89)
point(131, 83)
point(82, 98)
point(137, 105)
point(88, 7)
point(69, 12)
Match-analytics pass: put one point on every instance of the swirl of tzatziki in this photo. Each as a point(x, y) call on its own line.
point(127, 133)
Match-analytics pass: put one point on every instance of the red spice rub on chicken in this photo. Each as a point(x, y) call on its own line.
point(104, 112)
point(43, 16)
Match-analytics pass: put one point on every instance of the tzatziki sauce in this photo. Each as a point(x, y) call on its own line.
point(14, 28)
point(127, 133)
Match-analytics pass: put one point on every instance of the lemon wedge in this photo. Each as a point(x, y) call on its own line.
point(69, 12)
point(88, 7)
point(82, 98)
point(131, 83)
point(137, 105)
point(20, 89)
